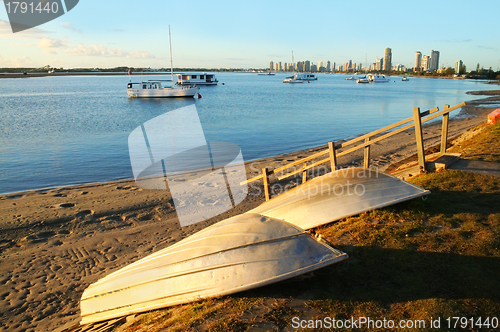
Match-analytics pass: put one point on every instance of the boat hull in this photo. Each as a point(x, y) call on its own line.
point(338, 195)
point(236, 254)
point(183, 92)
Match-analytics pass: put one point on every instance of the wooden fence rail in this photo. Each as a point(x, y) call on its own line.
point(367, 140)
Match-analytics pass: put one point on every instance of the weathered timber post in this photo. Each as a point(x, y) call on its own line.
point(366, 163)
point(444, 130)
point(304, 174)
point(419, 138)
point(265, 180)
point(333, 156)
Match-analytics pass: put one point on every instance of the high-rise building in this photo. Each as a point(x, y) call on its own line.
point(418, 61)
point(379, 63)
point(426, 62)
point(307, 66)
point(320, 64)
point(434, 60)
point(387, 65)
point(328, 66)
point(458, 66)
point(279, 66)
point(271, 66)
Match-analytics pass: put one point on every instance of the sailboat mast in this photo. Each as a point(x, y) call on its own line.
point(171, 64)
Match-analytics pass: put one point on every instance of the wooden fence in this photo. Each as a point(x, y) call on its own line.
point(367, 140)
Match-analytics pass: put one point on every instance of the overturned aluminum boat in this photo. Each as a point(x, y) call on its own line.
point(236, 254)
point(339, 194)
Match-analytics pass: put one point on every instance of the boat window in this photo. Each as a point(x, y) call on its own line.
point(144, 86)
point(193, 77)
point(202, 77)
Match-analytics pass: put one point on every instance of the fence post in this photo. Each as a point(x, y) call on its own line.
point(419, 138)
point(333, 156)
point(444, 130)
point(265, 180)
point(304, 174)
point(367, 153)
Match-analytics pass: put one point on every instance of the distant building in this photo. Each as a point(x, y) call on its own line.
point(307, 66)
point(328, 66)
point(426, 63)
point(434, 65)
point(379, 64)
point(279, 66)
point(418, 61)
point(458, 67)
point(387, 65)
point(271, 66)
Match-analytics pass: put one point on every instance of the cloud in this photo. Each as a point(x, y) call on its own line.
point(70, 27)
point(102, 51)
point(24, 61)
point(49, 45)
point(488, 48)
point(33, 33)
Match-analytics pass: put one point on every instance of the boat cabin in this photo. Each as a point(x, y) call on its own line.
point(200, 79)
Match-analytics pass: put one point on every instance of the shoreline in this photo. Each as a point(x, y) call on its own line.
point(55, 242)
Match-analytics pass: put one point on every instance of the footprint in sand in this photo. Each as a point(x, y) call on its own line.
point(84, 213)
point(67, 205)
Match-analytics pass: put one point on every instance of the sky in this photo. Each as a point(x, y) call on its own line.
point(250, 34)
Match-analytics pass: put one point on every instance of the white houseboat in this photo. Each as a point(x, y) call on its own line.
point(376, 78)
point(198, 79)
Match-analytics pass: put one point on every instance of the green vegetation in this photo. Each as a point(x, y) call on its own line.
point(436, 257)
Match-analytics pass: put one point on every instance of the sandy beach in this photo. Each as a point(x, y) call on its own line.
point(55, 243)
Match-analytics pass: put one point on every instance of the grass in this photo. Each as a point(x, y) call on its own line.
point(436, 258)
point(484, 146)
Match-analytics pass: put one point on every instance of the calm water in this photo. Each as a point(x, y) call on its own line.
point(56, 131)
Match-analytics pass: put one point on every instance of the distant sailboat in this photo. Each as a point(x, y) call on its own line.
point(155, 88)
point(295, 78)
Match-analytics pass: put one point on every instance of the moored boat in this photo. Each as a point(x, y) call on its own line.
point(155, 89)
point(376, 78)
point(197, 79)
point(236, 254)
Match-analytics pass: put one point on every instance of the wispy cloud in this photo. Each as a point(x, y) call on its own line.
point(102, 51)
point(489, 48)
point(70, 27)
point(33, 33)
point(24, 61)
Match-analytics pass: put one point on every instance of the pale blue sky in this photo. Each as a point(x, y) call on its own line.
point(250, 34)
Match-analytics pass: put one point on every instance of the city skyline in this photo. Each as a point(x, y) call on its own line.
point(228, 34)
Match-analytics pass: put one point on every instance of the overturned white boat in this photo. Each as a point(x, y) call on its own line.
point(236, 254)
point(339, 194)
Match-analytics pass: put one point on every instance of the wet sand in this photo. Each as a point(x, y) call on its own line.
point(54, 243)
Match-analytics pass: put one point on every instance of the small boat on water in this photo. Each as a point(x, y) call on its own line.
point(363, 80)
point(308, 77)
point(155, 89)
point(296, 78)
point(405, 79)
point(266, 74)
point(236, 254)
point(376, 78)
point(197, 79)
point(293, 79)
